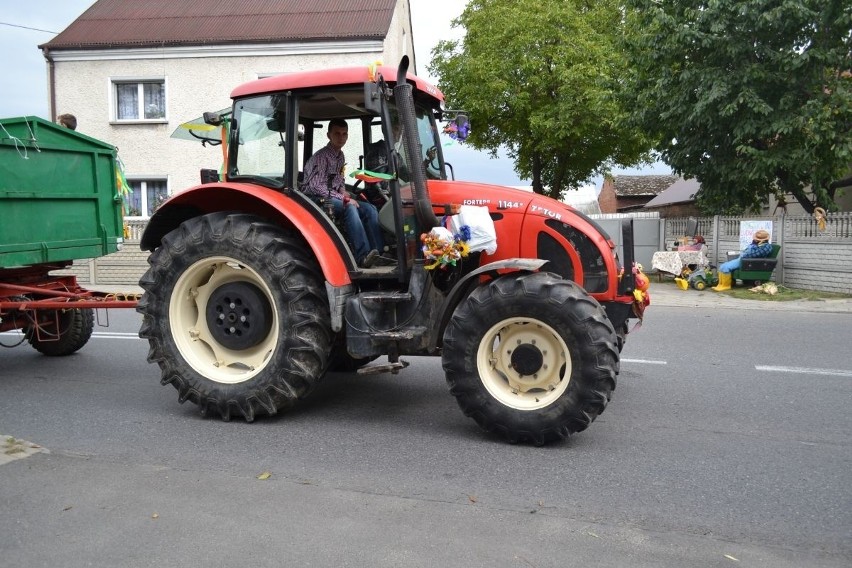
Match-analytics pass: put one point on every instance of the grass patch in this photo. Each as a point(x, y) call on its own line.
point(784, 294)
point(743, 292)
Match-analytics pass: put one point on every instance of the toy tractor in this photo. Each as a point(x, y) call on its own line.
point(702, 278)
point(253, 293)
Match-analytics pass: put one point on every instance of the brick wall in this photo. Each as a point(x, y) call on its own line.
point(606, 198)
point(122, 268)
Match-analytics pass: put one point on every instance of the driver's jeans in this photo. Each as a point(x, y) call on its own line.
point(362, 227)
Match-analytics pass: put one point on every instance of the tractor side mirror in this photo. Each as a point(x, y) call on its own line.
point(212, 118)
point(462, 127)
point(459, 127)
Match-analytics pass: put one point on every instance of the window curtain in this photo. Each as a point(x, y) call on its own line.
point(156, 193)
point(155, 100)
point(135, 198)
point(127, 103)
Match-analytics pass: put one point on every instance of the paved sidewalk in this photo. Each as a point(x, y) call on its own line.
point(667, 294)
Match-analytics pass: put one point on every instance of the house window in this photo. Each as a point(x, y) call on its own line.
point(140, 100)
point(145, 196)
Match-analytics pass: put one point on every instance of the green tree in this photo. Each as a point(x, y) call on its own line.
point(536, 77)
point(750, 97)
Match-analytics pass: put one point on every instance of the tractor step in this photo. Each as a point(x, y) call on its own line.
point(400, 335)
point(383, 368)
point(387, 297)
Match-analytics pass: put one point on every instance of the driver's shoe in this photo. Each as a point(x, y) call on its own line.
point(370, 259)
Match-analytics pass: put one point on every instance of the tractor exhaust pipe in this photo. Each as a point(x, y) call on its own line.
point(408, 119)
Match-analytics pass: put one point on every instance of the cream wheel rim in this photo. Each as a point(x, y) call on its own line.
point(524, 363)
point(192, 334)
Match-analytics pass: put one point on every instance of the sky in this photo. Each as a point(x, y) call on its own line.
point(23, 74)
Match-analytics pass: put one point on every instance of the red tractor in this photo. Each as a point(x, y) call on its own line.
point(253, 293)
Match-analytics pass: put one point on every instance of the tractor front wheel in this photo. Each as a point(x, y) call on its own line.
point(236, 315)
point(531, 357)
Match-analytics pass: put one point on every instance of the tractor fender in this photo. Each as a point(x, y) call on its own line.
point(464, 286)
point(277, 207)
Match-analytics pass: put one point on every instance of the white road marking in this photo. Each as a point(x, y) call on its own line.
point(645, 361)
point(115, 335)
point(804, 370)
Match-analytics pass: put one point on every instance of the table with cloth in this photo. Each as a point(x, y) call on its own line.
point(674, 262)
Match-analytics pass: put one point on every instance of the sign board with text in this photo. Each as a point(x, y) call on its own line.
point(749, 228)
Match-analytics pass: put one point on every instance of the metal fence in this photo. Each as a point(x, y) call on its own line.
point(813, 256)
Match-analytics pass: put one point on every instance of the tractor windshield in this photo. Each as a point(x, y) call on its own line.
point(376, 155)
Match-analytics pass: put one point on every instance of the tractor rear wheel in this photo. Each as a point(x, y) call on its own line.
point(74, 331)
point(531, 357)
point(236, 315)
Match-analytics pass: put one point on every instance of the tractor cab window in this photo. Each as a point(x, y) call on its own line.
point(353, 150)
point(376, 157)
point(430, 156)
point(259, 141)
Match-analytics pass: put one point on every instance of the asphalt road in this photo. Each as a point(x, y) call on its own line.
point(726, 444)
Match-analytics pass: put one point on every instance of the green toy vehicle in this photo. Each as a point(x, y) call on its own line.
point(702, 278)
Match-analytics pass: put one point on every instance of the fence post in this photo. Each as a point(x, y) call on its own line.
point(93, 271)
point(715, 241)
point(779, 268)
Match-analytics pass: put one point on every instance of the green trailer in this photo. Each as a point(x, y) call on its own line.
point(59, 197)
point(59, 201)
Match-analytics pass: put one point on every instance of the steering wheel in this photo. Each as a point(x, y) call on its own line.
point(431, 154)
point(375, 193)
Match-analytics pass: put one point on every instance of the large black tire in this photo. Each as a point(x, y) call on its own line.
point(531, 357)
point(75, 330)
point(236, 315)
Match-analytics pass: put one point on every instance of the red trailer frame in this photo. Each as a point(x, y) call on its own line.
point(28, 290)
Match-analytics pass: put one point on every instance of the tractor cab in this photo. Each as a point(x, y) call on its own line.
point(277, 125)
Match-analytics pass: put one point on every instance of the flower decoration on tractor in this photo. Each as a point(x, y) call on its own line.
point(442, 249)
point(457, 132)
point(641, 297)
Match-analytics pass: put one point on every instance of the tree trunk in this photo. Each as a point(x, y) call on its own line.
point(536, 173)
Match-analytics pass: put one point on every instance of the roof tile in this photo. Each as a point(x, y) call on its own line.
point(131, 23)
point(638, 186)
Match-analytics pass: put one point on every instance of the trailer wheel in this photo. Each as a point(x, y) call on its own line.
point(531, 357)
point(236, 315)
point(75, 330)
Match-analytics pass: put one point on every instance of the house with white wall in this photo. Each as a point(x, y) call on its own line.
point(132, 71)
